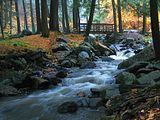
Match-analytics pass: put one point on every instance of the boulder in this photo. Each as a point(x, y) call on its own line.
point(83, 102)
point(8, 90)
point(68, 107)
point(61, 74)
point(37, 83)
point(125, 78)
point(146, 54)
point(67, 64)
point(136, 66)
point(97, 92)
point(112, 90)
point(16, 78)
point(95, 103)
point(150, 79)
point(61, 46)
point(155, 65)
point(83, 55)
point(52, 78)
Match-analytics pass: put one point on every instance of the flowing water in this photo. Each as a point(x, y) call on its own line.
point(42, 105)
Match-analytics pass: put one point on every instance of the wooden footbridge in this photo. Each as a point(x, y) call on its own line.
point(97, 28)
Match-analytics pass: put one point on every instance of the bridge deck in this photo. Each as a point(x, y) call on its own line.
point(97, 28)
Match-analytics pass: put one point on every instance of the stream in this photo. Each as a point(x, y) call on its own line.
point(42, 105)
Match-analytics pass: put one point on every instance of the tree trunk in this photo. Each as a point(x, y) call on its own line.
point(63, 17)
point(32, 16)
point(38, 16)
point(144, 17)
point(76, 18)
point(10, 16)
point(17, 15)
point(45, 31)
point(54, 24)
point(155, 27)
point(66, 16)
point(119, 16)
point(1, 18)
point(114, 16)
point(89, 24)
point(25, 15)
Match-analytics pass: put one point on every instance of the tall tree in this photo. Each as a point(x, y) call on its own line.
point(66, 16)
point(54, 24)
point(17, 16)
point(65, 21)
point(119, 16)
point(89, 24)
point(155, 27)
point(1, 17)
point(76, 18)
point(10, 16)
point(63, 17)
point(32, 16)
point(44, 25)
point(25, 15)
point(38, 16)
point(144, 17)
point(114, 16)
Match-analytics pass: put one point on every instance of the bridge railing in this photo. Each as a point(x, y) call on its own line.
point(97, 28)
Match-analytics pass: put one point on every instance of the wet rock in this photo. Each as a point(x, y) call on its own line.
point(95, 103)
point(8, 90)
point(68, 107)
point(15, 77)
point(154, 65)
point(87, 65)
point(84, 102)
point(37, 73)
point(38, 83)
point(52, 78)
point(81, 94)
point(144, 70)
point(112, 90)
point(19, 63)
point(60, 47)
point(62, 55)
point(125, 78)
point(146, 54)
point(83, 55)
point(136, 66)
point(67, 64)
point(56, 81)
point(95, 92)
point(150, 79)
point(61, 74)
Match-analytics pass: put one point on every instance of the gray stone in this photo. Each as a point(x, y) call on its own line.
point(68, 107)
point(95, 102)
point(83, 55)
point(136, 66)
point(146, 54)
point(125, 78)
point(149, 79)
point(8, 90)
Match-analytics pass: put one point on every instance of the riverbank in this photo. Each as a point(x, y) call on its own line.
point(81, 80)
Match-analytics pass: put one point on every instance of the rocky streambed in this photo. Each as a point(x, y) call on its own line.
point(85, 87)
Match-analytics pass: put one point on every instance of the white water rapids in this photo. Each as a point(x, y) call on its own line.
point(43, 105)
